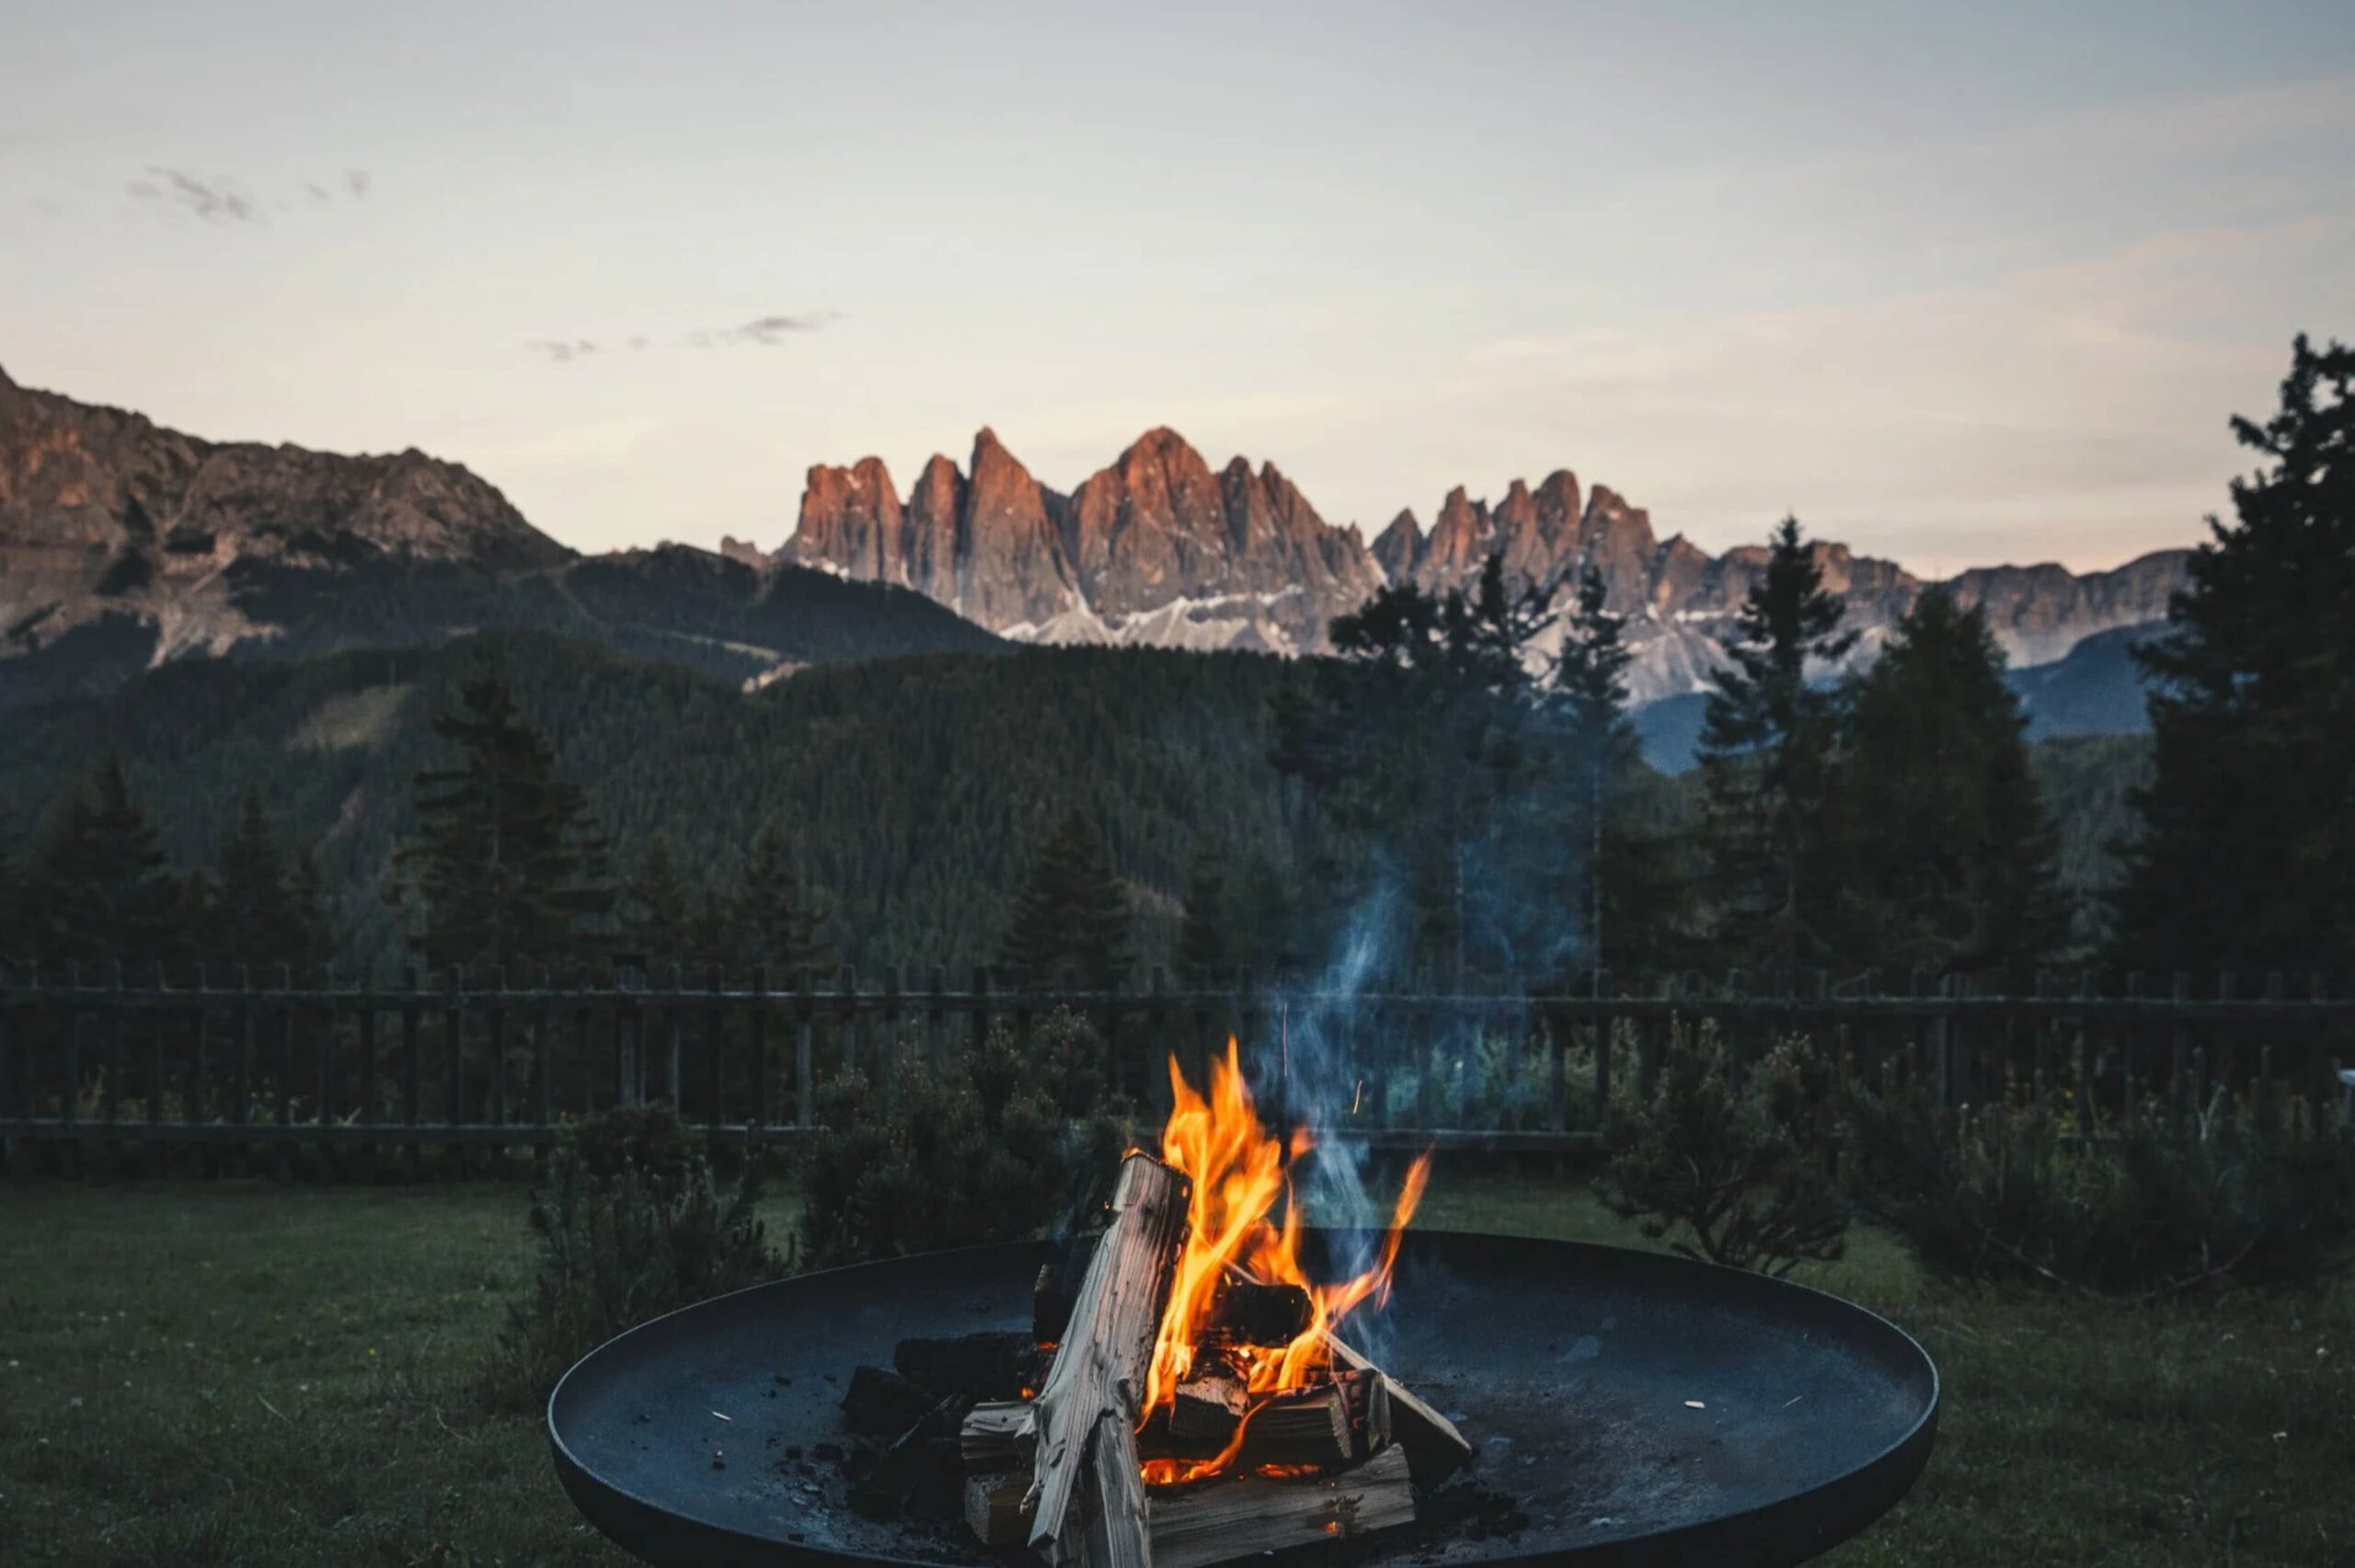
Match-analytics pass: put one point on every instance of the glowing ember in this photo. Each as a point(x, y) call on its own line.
point(1240, 1182)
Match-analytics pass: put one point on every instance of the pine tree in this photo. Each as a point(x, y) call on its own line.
point(1947, 858)
point(1206, 952)
point(1071, 911)
point(658, 908)
point(1766, 740)
point(507, 866)
point(248, 915)
point(2246, 857)
point(1414, 744)
point(99, 886)
point(775, 922)
point(316, 920)
point(1632, 911)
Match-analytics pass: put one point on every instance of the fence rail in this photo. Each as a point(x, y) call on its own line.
point(242, 1058)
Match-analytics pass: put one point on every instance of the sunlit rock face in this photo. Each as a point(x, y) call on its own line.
point(1159, 548)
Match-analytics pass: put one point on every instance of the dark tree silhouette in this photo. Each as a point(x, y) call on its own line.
point(773, 922)
point(507, 866)
point(2246, 854)
point(1946, 858)
point(1071, 911)
point(98, 885)
point(1766, 741)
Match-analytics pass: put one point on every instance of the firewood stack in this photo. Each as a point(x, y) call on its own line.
point(1219, 1472)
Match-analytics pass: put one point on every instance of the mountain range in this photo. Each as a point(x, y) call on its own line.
point(1159, 548)
point(124, 545)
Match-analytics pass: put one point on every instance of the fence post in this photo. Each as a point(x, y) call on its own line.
point(673, 1046)
point(543, 1078)
point(716, 1043)
point(2085, 1057)
point(454, 1024)
point(160, 1019)
point(760, 1048)
point(887, 1049)
point(2129, 1036)
point(583, 1027)
point(412, 1081)
point(325, 1065)
point(981, 1008)
point(285, 1045)
point(499, 1045)
point(109, 1100)
point(935, 1018)
point(369, 1102)
point(804, 1051)
point(846, 1008)
point(194, 1095)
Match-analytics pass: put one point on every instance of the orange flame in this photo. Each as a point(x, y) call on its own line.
point(1238, 1174)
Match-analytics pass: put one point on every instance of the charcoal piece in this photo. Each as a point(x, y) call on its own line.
point(882, 1404)
point(972, 1365)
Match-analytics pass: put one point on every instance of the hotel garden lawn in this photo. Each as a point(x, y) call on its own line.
point(237, 1372)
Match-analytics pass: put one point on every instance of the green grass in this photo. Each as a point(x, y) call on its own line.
point(239, 1373)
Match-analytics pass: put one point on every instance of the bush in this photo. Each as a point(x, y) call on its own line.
point(1734, 1166)
point(2256, 1191)
point(994, 1145)
point(650, 1140)
point(621, 1242)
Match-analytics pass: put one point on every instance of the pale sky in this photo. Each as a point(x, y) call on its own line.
point(1958, 283)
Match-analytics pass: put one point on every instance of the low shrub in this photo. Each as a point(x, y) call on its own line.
point(2253, 1190)
point(620, 1243)
point(1731, 1164)
point(995, 1144)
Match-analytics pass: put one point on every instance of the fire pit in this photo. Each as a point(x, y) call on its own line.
point(1195, 1390)
point(1574, 1370)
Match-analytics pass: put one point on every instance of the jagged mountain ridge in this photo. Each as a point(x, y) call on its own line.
point(1159, 549)
point(124, 544)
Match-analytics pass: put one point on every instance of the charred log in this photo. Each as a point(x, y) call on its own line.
point(1243, 1516)
point(882, 1404)
point(977, 1366)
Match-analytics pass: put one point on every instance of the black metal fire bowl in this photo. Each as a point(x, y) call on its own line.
point(1635, 1408)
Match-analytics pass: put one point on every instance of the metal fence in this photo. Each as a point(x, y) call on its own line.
point(493, 1060)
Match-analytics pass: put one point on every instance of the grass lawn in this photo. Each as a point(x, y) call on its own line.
point(240, 1373)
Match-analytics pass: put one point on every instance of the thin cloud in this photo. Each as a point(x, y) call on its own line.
point(765, 331)
point(223, 201)
point(214, 201)
point(762, 332)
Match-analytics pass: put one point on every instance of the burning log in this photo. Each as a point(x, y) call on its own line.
point(1299, 1426)
point(1086, 1411)
point(1243, 1516)
point(1206, 1410)
point(1433, 1446)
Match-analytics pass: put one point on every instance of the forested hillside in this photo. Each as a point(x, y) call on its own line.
point(910, 792)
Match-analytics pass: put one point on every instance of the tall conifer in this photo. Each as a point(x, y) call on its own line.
point(2245, 858)
point(1946, 856)
point(507, 866)
point(1071, 912)
point(1766, 740)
